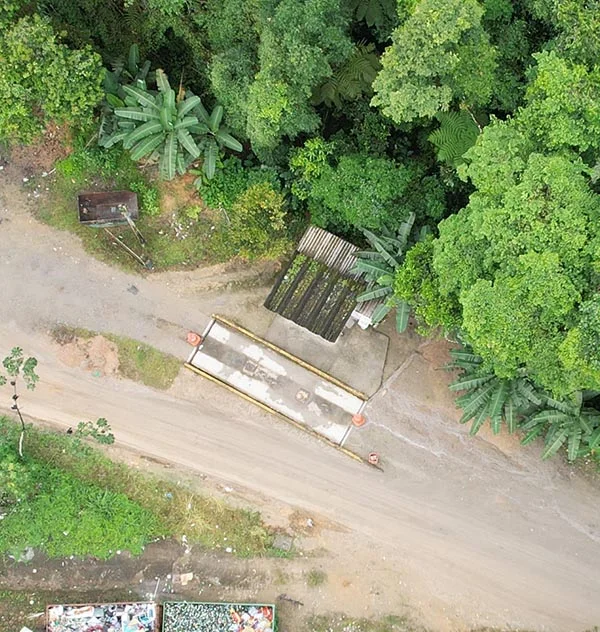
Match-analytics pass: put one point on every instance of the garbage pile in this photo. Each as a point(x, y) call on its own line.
point(115, 617)
point(217, 617)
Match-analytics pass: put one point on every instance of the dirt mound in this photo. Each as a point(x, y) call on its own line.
point(96, 354)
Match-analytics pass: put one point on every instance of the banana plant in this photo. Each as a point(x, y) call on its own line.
point(565, 422)
point(379, 267)
point(213, 136)
point(157, 126)
point(131, 72)
point(486, 396)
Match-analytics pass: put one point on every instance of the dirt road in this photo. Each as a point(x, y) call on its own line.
point(479, 532)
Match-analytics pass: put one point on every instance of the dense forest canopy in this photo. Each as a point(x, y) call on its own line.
point(479, 117)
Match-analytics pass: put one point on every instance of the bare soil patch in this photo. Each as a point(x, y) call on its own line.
point(41, 156)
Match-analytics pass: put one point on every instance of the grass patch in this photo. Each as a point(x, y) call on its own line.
point(180, 231)
point(137, 361)
point(315, 578)
point(57, 465)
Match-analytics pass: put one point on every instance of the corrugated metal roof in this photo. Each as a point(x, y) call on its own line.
point(327, 248)
point(317, 290)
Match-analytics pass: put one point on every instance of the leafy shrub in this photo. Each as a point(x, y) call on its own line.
point(308, 164)
point(42, 80)
point(51, 510)
point(257, 222)
point(232, 180)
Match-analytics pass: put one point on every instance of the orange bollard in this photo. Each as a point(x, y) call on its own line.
point(194, 339)
point(373, 458)
point(359, 420)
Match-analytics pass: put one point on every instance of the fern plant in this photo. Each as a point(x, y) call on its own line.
point(379, 267)
point(351, 80)
point(456, 134)
point(487, 396)
point(571, 423)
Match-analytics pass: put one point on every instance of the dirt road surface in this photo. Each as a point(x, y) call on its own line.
point(478, 532)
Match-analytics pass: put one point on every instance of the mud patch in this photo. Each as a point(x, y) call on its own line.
point(96, 354)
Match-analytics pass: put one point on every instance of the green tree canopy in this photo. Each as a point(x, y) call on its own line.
point(361, 192)
point(440, 54)
point(563, 104)
point(521, 256)
point(300, 40)
point(42, 79)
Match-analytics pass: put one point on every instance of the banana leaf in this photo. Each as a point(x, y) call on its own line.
point(509, 416)
point(404, 230)
point(478, 399)
point(366, 254)
point(166, 118)
point(133, 59)
point(168, 160)
point(188, 143)
point(211, 152)
point(497, 404)
point(145, 99)
point(186, 123)
point(461, 354)
point(479, 420)
point(162, 81)
point(381, 311)
point(573, 444)
point(528, 392)
point(564, 407)
point(228, 140)
point(544, 416)
point(146, 146)
point(185, 106)
point(372, 268)
point(169, 103)
point(469, 383)
point(402, 315)
point(533, 434)
point(181, 166)
point(374, 293)
point(554, 442)
point(114, 101)
point(594, 440)
point(201, 129)
point(114, 139)
point(215, 118)
point(135, 114)
point(143, 131)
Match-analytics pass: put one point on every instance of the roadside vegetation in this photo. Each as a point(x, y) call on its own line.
point(65, 497)
point(137, 361)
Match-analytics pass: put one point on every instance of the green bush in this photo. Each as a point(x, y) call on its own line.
point(257, 223)
point(43, 80)
point(52, 511)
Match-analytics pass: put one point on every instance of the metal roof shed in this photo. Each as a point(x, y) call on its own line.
point(318, 289)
